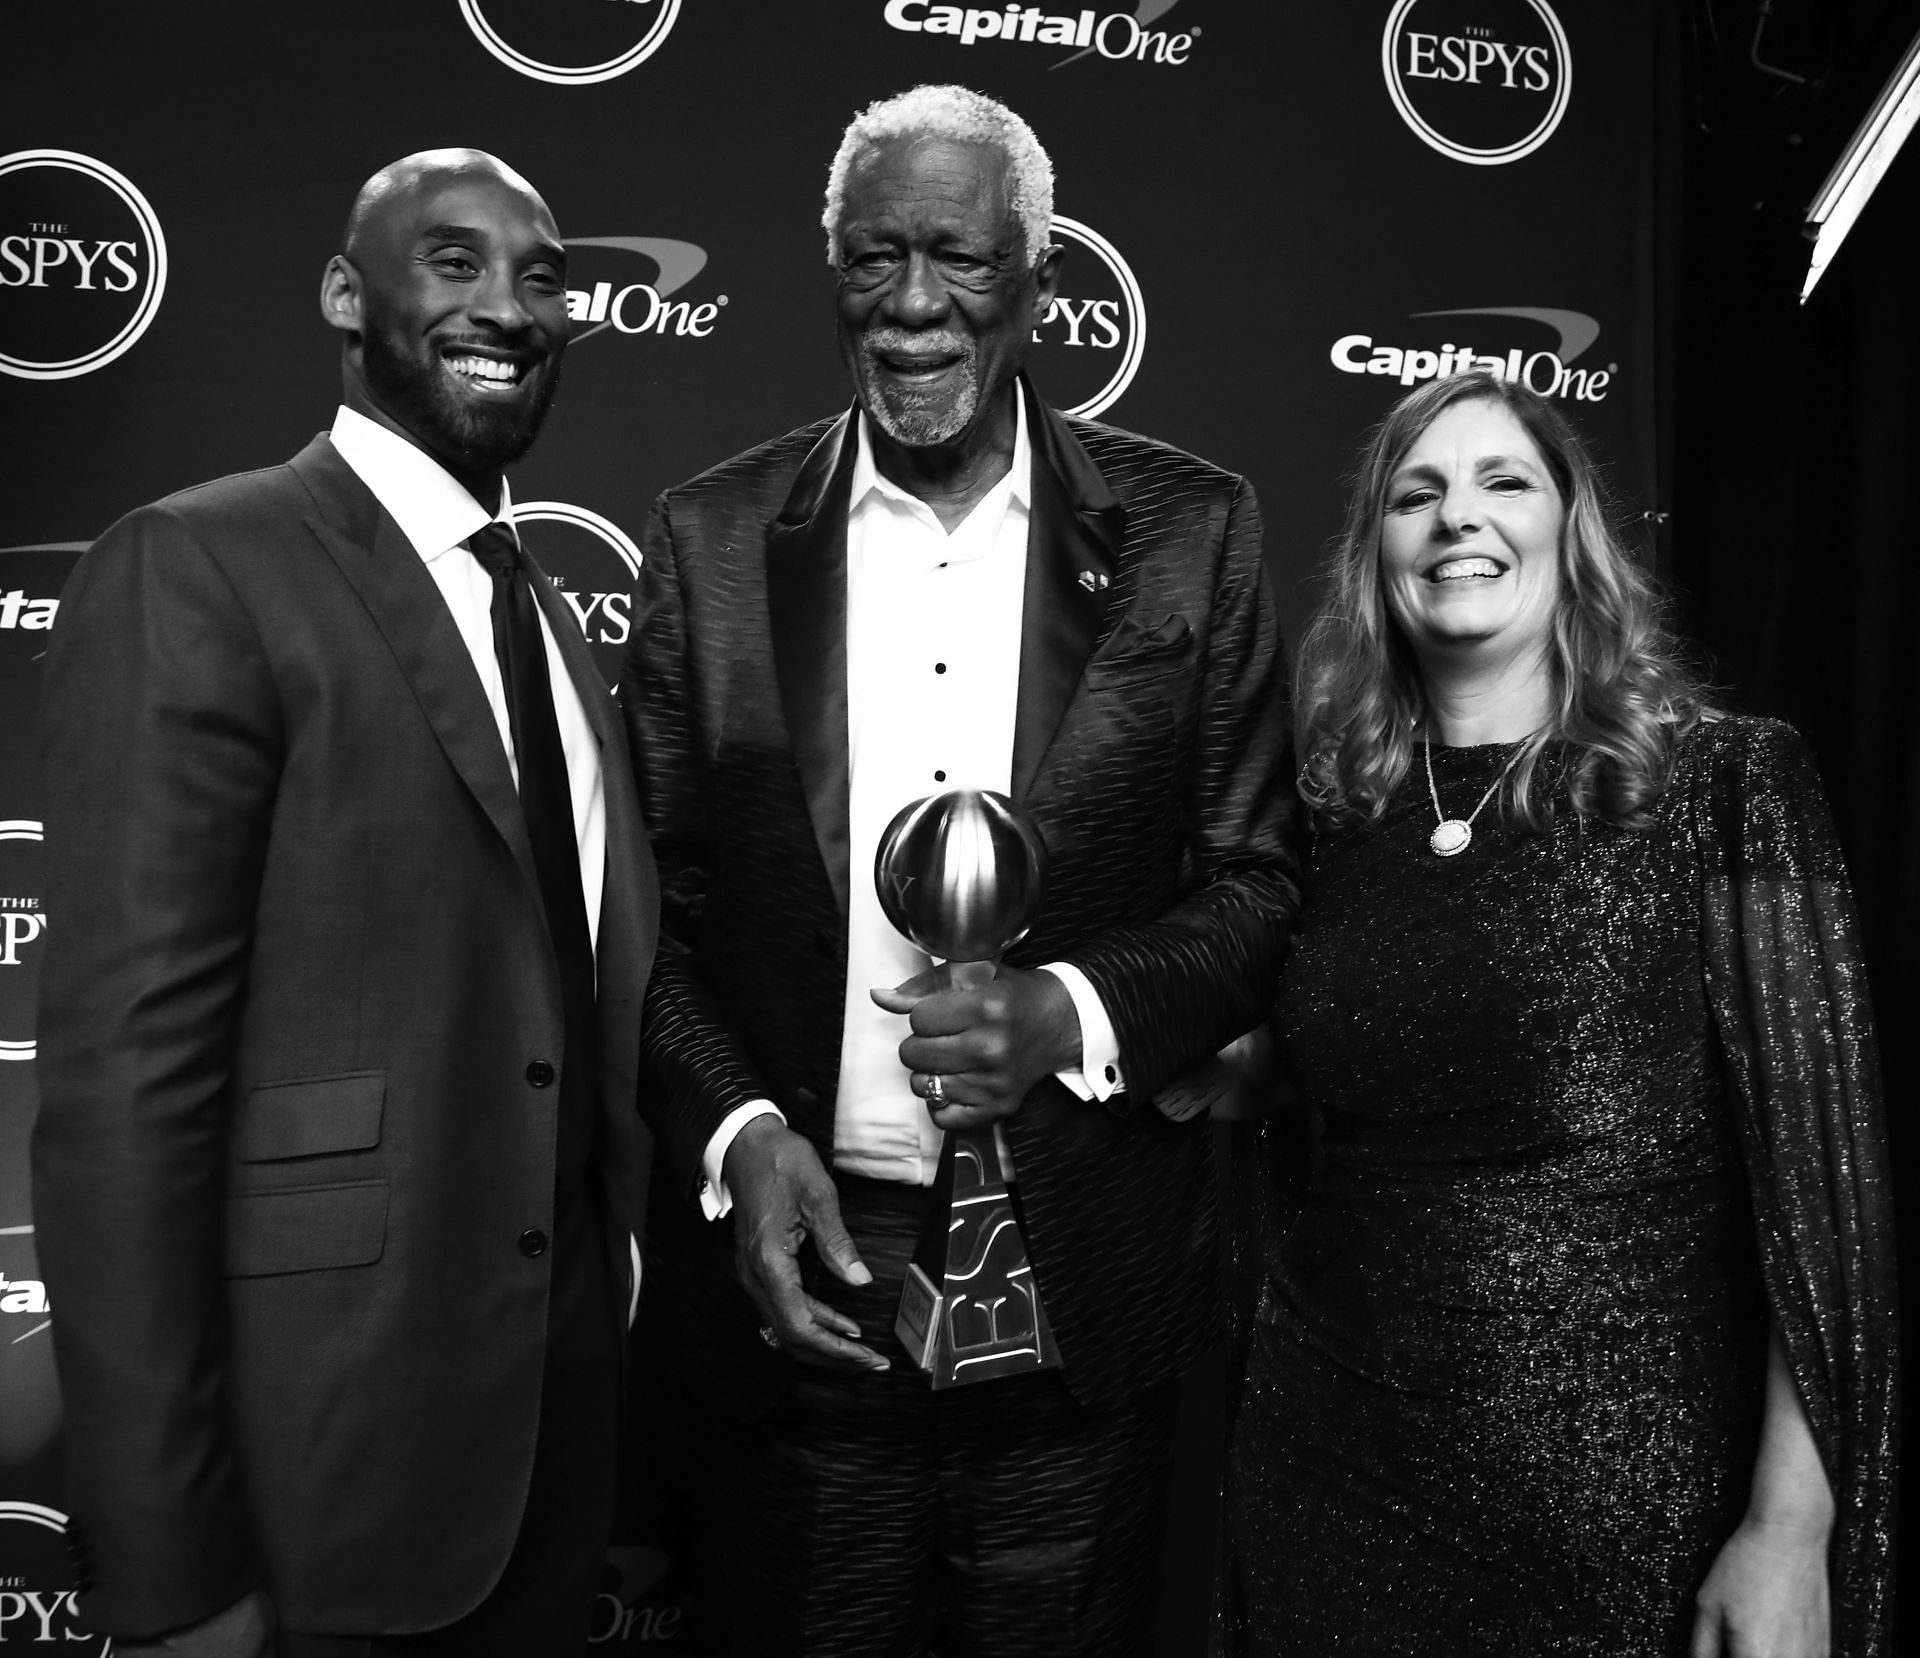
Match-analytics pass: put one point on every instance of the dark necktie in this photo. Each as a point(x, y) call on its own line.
point(546, 802)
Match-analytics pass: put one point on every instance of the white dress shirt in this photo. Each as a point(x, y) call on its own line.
point(933, 678)
point(437, 515)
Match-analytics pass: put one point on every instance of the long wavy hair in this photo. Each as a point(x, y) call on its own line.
point(1623, 693)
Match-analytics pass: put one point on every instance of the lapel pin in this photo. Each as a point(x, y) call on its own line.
point(1093, 583)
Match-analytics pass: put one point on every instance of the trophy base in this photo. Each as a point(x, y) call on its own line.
point(970, 1310)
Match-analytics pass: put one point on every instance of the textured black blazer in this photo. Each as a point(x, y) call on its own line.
point(290, 1149)
point(1152, 752)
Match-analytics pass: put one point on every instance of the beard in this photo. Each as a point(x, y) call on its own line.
point(482, 437)
point(908, 415)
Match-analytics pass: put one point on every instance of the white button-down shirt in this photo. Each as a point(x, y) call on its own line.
point(437, 515)
point(933, 680)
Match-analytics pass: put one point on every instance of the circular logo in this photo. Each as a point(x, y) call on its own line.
point(36, 1584)
point(1090, 344)
point(594, 564)
point(23, 923)
point(83, 264)
point(591, 39)
point(1482, 81)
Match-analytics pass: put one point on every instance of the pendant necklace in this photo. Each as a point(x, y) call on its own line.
point(1454, 835)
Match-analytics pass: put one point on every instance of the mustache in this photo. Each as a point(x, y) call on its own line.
point(907, 339)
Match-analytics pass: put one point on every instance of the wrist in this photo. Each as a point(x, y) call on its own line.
point(1803, 1521)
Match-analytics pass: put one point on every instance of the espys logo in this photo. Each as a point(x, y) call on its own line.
point(571, 42)
point(1115, 36)
point(1482, 81)
point(630, 307)
point(1095, 332)
point(22, 925)
point(37, 1605)
point(83, 264)
point(594, 564)
point(1548, 372)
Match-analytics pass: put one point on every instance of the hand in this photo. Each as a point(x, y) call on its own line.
point(782, 1195)
point(242, 1630)
point(1766, 1596)
point(988, 1042)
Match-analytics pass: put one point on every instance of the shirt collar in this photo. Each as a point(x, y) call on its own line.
point(433, 509)
point(867, 477)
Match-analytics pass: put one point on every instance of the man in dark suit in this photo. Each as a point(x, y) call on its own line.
point(951, 585)
point(337, 1166)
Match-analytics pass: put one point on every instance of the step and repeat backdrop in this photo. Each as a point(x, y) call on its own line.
point(1278, 216)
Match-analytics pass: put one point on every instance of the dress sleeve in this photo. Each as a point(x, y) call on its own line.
point(1787, 986)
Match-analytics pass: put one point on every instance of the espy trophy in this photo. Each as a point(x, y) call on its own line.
point(962, 875)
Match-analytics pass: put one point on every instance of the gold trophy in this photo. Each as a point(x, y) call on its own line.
point(962, 876)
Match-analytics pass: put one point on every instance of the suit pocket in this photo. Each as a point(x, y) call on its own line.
point(311, 1117)
point(1136, 655)
point(305, 1228)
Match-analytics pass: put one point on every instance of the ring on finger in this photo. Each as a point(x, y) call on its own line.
point(770, 1336)
point(936, 1089)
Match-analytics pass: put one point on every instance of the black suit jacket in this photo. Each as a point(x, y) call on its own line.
point(1151, 750)
point(290, 1154)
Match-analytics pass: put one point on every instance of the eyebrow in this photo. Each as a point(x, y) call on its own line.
point(551, 251)
point(1420, 469)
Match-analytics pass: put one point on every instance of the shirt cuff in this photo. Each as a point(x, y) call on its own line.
point(1098, 1075)
point(715, 1199)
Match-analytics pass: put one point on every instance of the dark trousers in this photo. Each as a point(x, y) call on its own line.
point(542, 1603)
point(870, 1517)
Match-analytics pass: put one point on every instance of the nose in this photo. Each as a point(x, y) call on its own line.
point(919, 297)
point(497, 300)
point(1458, 514)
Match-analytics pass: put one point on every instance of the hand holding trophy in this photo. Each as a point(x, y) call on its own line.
point(962, 875)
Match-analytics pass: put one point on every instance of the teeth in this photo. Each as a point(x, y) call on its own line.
point(485, 368)
point(1460, 568)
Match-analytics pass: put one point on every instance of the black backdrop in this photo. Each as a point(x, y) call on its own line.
point(1264, 198)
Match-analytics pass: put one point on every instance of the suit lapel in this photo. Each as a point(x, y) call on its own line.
point(408, 609)
point(1074, 530)
point(807, 616)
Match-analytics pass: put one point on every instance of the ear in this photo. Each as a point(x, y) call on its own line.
point(340, 300)
point(1046, 281)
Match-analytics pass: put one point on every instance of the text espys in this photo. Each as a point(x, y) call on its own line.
point(1542, 371)
point(33, 256)
point(1461, 58)
point(1114, 36)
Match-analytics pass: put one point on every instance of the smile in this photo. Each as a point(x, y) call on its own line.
point(1467, 569)
point(489, 372)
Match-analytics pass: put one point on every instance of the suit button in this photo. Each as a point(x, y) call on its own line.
point(533, 1242)
point(540, 1074)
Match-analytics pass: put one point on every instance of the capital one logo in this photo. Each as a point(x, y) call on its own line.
point(571, 42)
point(606, 295)
point(37, 1605)
point(1550, 372)
point(1089, 345)
point(22, 925)
point(594, 565)
point(1481, 81)
point(83, 264)
point(1115, 36)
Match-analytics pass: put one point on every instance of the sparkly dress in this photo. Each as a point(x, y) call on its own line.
point(1592, 1105)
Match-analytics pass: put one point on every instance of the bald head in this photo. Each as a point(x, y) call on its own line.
point(451, 297)
point(399, 183)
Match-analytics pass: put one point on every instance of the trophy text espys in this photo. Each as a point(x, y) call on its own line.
point(962, 875)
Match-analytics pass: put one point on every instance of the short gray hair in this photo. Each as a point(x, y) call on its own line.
point(966, 117)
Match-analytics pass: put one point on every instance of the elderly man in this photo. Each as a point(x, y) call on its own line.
point(950, 585)
point(337, 1164)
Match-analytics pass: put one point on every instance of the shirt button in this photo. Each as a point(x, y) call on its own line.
point(540, 1074)
point(939, 777)
point(939, 667)
point(1112, 1074)
point(533, 1242)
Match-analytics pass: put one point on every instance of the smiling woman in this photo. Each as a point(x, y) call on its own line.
point(1572, 1347)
